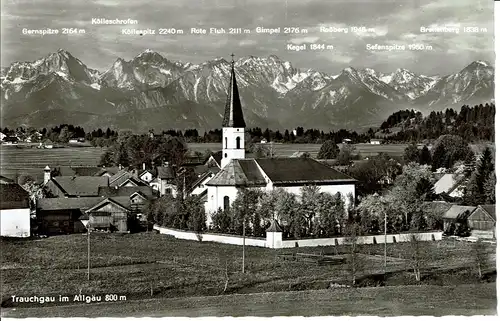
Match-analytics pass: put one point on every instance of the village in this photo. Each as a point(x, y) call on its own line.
point(336, 211)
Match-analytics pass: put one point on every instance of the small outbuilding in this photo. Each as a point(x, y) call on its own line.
point(482, 222)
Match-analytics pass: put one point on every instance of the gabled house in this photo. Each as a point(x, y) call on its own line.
point(451, 185)
point(147, 175)
point(125, 178)
point(214, 160)
point(482, 222)
point(10, 140)
point(76, 186)
point(164, 182)
point(71, 215)
point(14, 209)
point(456, 217)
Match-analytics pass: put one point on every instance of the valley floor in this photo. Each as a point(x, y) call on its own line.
point(476, 299)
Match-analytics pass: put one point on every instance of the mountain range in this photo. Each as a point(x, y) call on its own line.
point(152, 92)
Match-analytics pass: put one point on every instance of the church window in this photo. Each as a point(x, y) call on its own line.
point(226, 202)
point(225, 155)
point(238, 142)
point(225, 141)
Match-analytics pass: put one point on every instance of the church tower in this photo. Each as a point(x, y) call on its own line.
point(233, 124)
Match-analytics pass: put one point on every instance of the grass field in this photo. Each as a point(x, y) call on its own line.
point(476, 299)
point(136, 264)
point(286, 150)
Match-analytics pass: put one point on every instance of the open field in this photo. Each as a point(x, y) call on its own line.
point(31, 161)
point(134, 265)
point(475, 299)
point(286, 150)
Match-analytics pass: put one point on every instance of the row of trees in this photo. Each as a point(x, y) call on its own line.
point(312, 213)
point(181, 213)
point(471, 123)
point(134, 150)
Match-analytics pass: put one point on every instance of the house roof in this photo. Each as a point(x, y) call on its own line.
point(118, 175)
point(79, 203)
point(165, 172)
point(490, 209)
point(300, 170)
point(458, 211)
point(436, 207)
point(448, 183)
point(63, 203)
point(111, 191)
point(80, 185)
point(122, 202)
point(239, 172)
point(12, 195)
point(233, 113)
point(217, 156)
point(78, 171)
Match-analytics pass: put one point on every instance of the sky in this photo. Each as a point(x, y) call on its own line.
point(394, 23)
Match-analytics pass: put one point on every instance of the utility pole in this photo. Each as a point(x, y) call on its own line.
point(385, 244)
point(88, 250)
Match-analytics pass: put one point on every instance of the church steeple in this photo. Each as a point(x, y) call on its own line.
point(233, 114)
point(233, 124)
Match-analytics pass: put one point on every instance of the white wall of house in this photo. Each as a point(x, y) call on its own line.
point(165, 185)
point(15, 222)
point(201, 187)
point(147, 177)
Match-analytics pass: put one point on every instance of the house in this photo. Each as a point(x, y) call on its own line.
point(71, 215)
point(47, 144)
point(164, 182)
point(2, 136)
point(10, 140)
point(14, 209)
point(455, 217)
point(376, 141)
point(299, 154)
point(214, 160)
point(451, 185)
point(263, 141)
point(199, 186)
point(75, 186)
point(83, 171)
point(346, 141)
point(125, 178)
point(238, 172)
point(147, 175)
point(482, 222)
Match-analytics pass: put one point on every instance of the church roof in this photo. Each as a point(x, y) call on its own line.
point(239, 172)
point(283, 171)
point(233, 114)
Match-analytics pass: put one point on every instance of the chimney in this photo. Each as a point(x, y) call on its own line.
point(46, 174)
point(120, 167)
point(143, 166)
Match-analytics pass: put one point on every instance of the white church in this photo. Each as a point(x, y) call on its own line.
point(237, 172)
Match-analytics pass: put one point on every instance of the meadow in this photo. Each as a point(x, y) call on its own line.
point(149, 266)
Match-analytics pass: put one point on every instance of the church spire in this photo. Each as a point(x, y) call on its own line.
point(233, 114)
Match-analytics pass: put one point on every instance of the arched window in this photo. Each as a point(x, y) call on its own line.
point(225, 142)
point(226, 202)
point(238, 142)
point(225, 155)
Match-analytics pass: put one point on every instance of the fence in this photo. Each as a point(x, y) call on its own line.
point(274, 239)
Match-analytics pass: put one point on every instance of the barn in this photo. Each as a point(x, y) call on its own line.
point(14, 209)
point(482, 222)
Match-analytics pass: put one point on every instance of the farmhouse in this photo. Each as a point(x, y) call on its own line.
point(237, 172)
point(482, 222)
point(375, 141)
point(14, 209)
point(451, 185)
point(75, 186)
point(456, 216)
